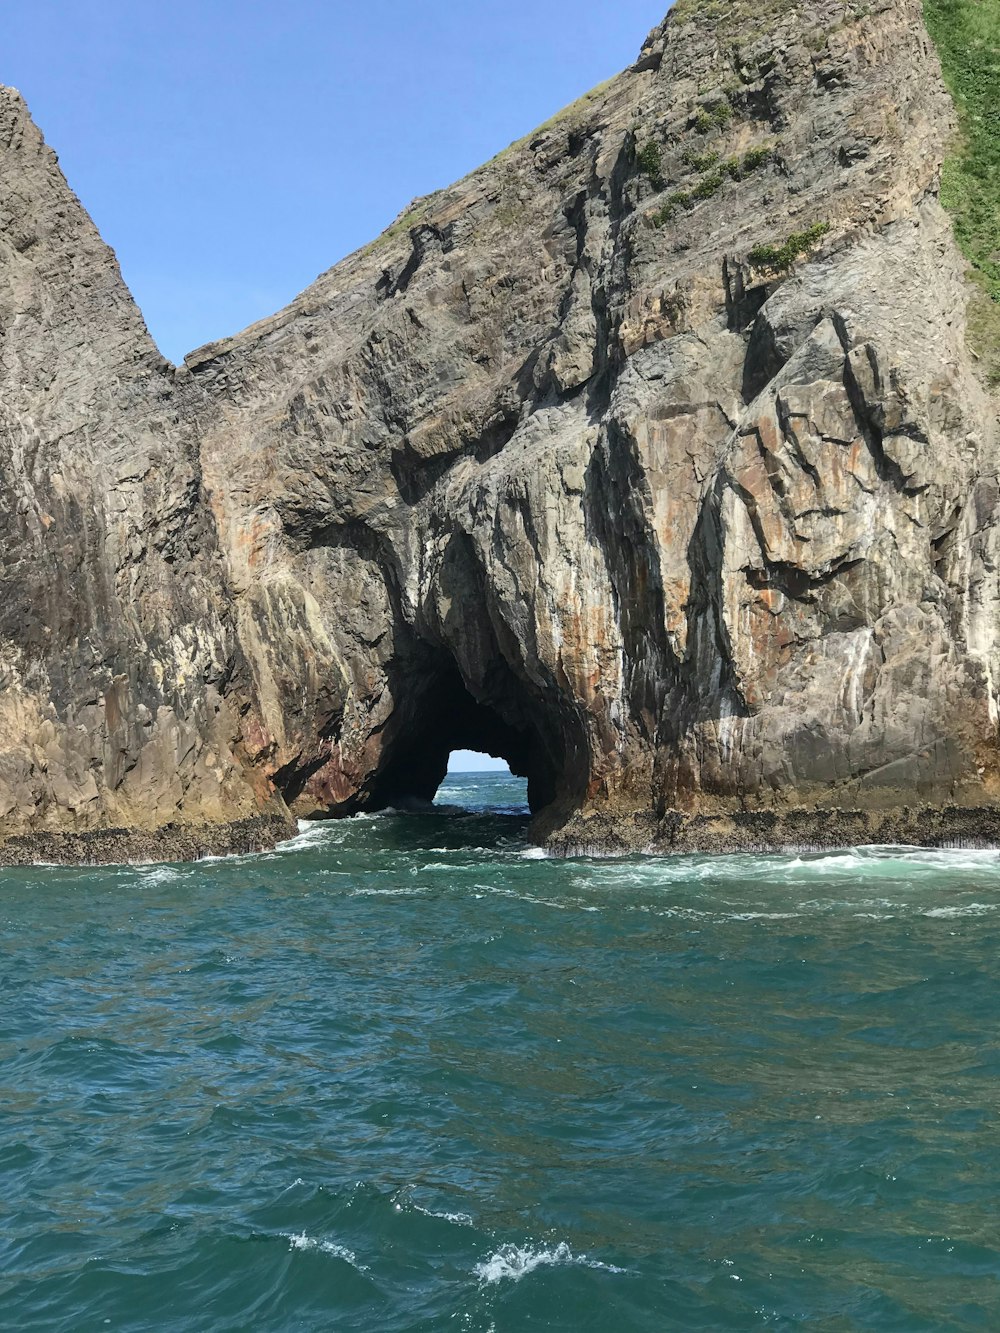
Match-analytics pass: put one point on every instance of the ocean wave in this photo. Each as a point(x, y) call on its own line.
point(760, 916)
point(967, 909)
point(513, 1262)
point(311, 833)
point(158, 874)
point(876, 861)
point(889, 858)
point(386, 893)
point(301, 1241)
point(457, 1219)
point(536, 899)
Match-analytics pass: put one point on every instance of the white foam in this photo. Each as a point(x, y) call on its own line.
point(311, 832)
point(301, 1241)
point(387, 893)
point(893, 859)
point(457, 1219)
point(968, 909)
point(455, 851)
point(162, 874)
point(762, 916)
point(560, 904)
point(835, 863)
point(513, 1262)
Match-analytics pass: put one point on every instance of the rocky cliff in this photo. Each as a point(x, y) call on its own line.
point(651, 457)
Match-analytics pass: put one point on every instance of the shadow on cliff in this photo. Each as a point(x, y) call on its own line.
point(463, 688)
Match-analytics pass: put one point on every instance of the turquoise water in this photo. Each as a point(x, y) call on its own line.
point(407, 1075)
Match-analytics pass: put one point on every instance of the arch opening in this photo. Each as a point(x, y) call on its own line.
point(475, 761)
point(446, 717)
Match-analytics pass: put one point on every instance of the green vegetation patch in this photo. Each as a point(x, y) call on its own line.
point(650, 159)
point(735, 168)
point(782, 257)
point(705, 120)
point(708, 185)
point(680, 200)
point(739, 168)
point(757, 158)
point(967, 35)
point(700, 161)
point(730, 14)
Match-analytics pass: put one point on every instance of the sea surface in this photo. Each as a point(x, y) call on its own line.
point(406, 1074)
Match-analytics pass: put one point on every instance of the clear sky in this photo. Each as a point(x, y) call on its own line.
point(468, 761)
point(231, 150)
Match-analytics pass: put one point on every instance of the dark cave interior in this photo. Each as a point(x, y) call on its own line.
point(445, 717)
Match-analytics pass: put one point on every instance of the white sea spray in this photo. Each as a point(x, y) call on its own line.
point(301, 1241)
point(513, 1262)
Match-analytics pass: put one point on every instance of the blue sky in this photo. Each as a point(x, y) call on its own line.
point(230, 152)
point(468, 761)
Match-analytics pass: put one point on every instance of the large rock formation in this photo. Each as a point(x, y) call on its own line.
point(650, 457)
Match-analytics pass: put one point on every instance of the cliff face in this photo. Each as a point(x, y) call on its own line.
point(650, 456)
point(116, 642)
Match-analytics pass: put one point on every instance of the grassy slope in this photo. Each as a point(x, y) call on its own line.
point(967, 35)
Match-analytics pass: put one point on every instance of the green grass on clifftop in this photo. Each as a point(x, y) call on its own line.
point(967, 35)
point(729, 13)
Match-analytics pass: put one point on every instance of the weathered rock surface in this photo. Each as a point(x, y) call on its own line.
point(662, 472)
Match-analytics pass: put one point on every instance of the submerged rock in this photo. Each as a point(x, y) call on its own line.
point(651, 457)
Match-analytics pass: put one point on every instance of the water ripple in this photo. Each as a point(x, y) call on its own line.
point(404, 1073)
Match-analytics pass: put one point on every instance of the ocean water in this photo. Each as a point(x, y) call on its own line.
point(406, 1074)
